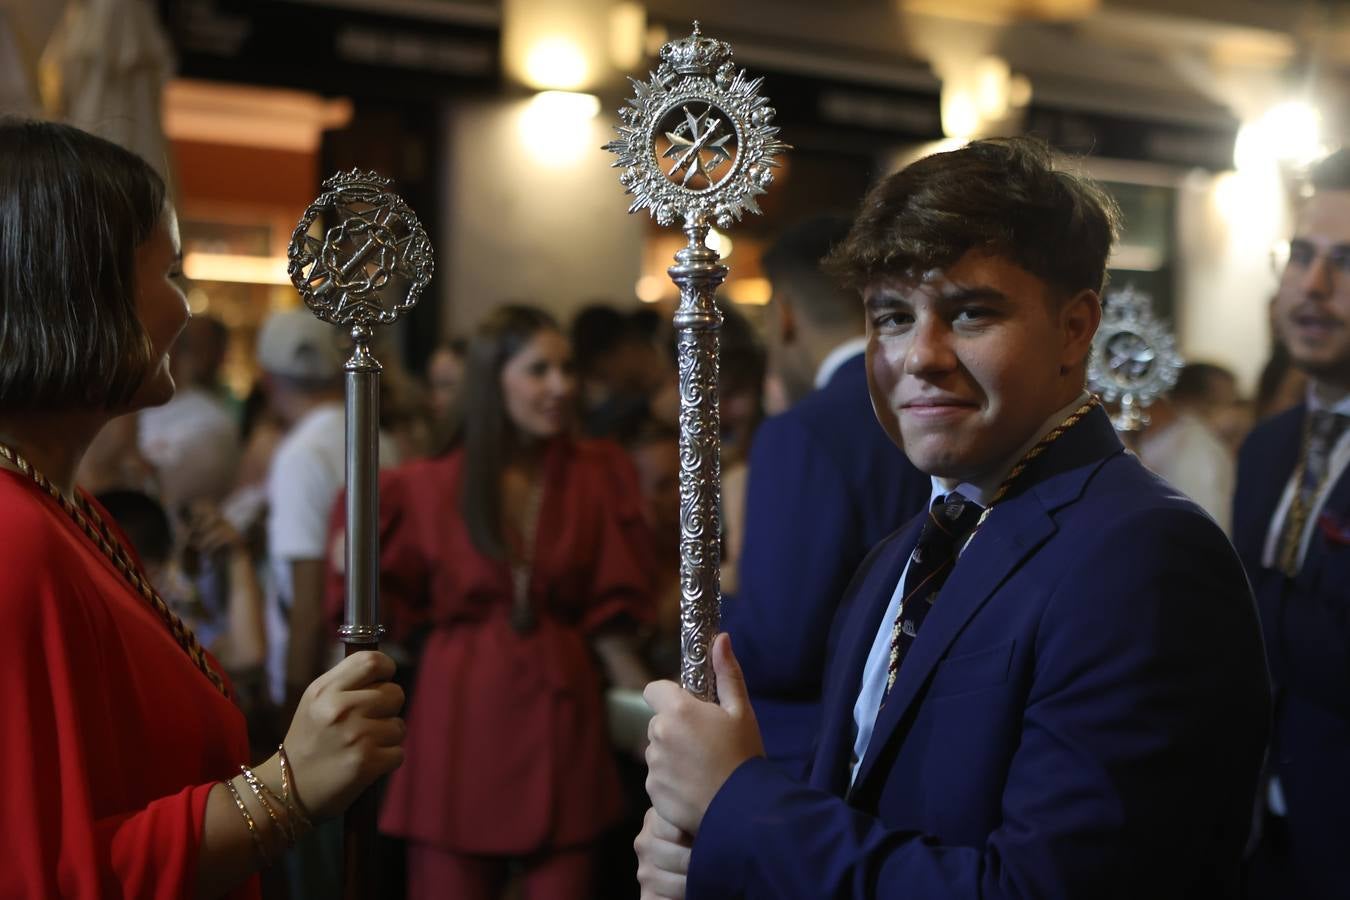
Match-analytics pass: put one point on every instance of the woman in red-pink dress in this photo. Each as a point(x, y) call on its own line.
point(527, 553)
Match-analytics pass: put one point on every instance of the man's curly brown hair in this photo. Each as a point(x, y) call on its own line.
point(1001, 196)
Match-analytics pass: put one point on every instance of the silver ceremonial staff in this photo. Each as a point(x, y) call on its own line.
point(360, 259)
point(697, 143)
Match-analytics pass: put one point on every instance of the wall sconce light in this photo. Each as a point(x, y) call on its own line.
point(1290, 133)
point(979, 96)
point(556, 64)
point(557, 126)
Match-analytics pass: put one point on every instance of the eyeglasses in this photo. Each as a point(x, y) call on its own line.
point(1303, 254)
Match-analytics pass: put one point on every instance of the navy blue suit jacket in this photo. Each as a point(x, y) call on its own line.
point(1307, 631)
point(826, 485)
point(1083, 714)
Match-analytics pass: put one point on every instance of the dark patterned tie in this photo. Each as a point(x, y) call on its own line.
point(950, 522)
point(1324, 430)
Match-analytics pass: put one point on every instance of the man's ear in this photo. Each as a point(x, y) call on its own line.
point(1079, 317)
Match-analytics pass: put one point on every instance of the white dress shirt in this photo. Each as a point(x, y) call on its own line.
point(837, 357)
point(873, 687)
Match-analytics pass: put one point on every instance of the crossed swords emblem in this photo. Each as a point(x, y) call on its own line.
point(691, 139)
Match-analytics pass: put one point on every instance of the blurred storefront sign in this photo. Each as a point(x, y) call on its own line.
point(376, 48)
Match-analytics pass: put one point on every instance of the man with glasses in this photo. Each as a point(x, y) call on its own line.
point(1292, 529)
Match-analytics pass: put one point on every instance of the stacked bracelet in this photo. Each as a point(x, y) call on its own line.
point(263, 792)
point(294, 807)
point(288, 815)
point(252, 826)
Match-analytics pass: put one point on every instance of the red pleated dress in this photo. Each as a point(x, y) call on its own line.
point(507, 748)
point(110, 737)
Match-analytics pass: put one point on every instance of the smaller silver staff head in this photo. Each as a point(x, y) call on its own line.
point(1134, 358)
point(372, 259)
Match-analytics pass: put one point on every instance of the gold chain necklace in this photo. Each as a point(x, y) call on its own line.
point(84, 515)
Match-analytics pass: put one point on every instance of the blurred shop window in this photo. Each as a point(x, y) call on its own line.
point(246, 164)
point(1146, 254)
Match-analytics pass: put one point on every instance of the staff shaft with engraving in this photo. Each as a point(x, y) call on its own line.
point(697, 323)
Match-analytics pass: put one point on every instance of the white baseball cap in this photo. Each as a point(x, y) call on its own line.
point(295, 344)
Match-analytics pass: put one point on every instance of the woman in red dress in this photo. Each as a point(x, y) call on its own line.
point(527, 553)
point(119, 743)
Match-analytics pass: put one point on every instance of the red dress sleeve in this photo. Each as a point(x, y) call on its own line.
point(622, 581)
point(65, 749)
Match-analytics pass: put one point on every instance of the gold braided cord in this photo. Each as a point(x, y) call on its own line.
point(1055, 434)
point(83, 514)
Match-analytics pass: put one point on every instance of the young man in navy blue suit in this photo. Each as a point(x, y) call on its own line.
point(1069, 700)
point(826, 485)
point(1291, 524)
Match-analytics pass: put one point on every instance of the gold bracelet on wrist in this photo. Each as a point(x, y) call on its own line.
point(262, 792)
point(248, 820)
point(288, 798)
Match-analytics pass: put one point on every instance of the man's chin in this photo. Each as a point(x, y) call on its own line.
point(1324, 367)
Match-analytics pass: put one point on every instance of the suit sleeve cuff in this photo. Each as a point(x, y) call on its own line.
point(721, 858)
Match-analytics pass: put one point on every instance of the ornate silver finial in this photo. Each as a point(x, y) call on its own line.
point(373, 260)
point(697, 140)
point(696, 54)
point(1134, 358)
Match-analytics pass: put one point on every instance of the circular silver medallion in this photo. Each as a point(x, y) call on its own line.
point(1134, 357)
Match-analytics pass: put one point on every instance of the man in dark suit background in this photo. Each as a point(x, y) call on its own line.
point(825, 486)
point(1291, 524)
point(1053, 684)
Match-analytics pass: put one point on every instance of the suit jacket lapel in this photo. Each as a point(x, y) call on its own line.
point(872, 596)
point(1010, 535)
point(1013, 532)
point(1280, 466)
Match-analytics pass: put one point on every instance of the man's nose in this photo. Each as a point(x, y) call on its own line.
point(930, 349)
point(1317, 281)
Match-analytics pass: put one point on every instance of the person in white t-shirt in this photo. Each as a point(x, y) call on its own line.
point(1187, 453)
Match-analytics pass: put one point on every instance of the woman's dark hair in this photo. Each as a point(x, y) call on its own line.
point(73, 210)
point(480, 423)
point(1001, 196)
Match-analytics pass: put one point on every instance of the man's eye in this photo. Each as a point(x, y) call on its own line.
point(1301, 254)
point(1340, 257)
point(890, 320)
point(974, 313)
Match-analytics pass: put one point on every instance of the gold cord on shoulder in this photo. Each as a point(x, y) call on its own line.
point(89, 521)
point(1055, 434)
